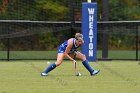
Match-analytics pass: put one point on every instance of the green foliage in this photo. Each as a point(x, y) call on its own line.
point(124, 10)
point(58, 10)
point(121, 42)
point(122, 38)
point(52, 10)
point(1, 46)
point(55, 10)
point(19, 10)
point(48, 41)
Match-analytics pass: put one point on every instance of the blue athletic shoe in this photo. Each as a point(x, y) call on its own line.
point(95, 72)
point(44, 74)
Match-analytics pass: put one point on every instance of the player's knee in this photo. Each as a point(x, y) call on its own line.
point(58, 63)
point(83, 57)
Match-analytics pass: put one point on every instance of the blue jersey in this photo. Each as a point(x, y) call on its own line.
point(62, 47)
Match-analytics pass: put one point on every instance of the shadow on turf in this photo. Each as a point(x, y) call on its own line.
point(3, 92)
point(127, 79)
point(54, 78)
point(139, 63)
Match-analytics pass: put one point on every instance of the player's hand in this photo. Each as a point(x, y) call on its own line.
point(74, 62)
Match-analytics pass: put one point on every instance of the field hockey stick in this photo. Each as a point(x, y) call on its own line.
point(75, 67)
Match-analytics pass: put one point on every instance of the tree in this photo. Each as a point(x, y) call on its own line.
point(124, 10)
point(19, 10)
point(52, 9)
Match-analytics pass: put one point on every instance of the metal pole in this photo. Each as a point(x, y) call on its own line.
point(8, 46)
point(105, 17)
point(137, 43)
point(72, 8)
point(93, 0)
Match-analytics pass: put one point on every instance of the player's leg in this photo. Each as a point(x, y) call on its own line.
point(82, 57)
point(60, 58)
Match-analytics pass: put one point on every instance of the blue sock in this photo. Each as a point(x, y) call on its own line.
point(50, 68)
point(87, 66)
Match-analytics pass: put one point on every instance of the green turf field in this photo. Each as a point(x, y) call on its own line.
point(24, 77)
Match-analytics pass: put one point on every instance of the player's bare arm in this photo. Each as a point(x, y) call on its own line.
point(68, 48)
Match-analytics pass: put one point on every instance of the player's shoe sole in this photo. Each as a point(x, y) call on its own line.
point(44, 74)
point(95, 72)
